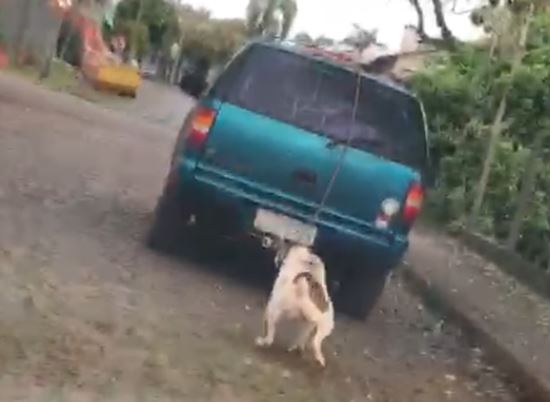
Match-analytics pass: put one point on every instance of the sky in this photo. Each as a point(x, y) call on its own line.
point(335, 18)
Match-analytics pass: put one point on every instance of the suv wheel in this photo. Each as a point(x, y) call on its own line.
point(359, 290)
point(168, 230)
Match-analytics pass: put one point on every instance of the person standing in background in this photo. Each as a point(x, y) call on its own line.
point(172, 68)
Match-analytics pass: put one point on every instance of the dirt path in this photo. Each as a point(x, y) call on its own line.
point(87, 313)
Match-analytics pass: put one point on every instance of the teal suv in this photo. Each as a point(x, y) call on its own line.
point(289, 143)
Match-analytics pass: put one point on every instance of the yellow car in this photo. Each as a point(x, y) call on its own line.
point(124, 79)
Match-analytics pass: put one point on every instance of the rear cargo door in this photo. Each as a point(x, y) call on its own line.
point(387, 146)
point(256, 145)
point(268, 159)
point(281, 130)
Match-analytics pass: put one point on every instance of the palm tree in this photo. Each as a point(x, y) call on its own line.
point(271, 17)
point(420, 16)
point(289, 10)
point(446, 34)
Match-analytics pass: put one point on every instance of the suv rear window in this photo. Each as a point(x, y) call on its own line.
point(319, 97)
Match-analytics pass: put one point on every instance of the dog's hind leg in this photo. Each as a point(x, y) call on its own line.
point(321, 332)
point(270, 325)
point(303, 337)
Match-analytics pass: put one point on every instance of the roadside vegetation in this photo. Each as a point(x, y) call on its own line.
point(487, 107)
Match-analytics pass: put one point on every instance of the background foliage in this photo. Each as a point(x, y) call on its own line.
point(163, 23)
point(461, 91)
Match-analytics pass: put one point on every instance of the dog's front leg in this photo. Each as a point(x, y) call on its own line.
point(303, 337)
point(270, 324)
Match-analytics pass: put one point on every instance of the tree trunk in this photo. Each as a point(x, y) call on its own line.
point(446, 33)
point(420, 15)
point(65, 45)
point(69, 33)
point(46, 66)
point(493, 48)
point(289, 10)
point(528, 184)
point(496, 128)
point(253, 18)
point(17, 44)
point(268, 16)
point(49, 52)
point(135, 33)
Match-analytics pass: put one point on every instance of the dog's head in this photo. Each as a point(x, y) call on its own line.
point(314, 264)
point(300, 257)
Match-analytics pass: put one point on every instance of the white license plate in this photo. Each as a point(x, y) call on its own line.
point(285, 227)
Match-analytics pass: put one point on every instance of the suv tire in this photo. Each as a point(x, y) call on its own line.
point(169, 227)
point(360, 288)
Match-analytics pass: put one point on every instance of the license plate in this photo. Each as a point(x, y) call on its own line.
point(285, 227)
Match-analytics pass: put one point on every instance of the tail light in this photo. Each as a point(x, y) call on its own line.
point(413, 203)
point(193, 135)
point(201, 123)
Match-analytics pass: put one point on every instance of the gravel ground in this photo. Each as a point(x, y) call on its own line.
point(88, 313)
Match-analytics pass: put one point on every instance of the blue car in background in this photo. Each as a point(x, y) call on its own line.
point(289, 143)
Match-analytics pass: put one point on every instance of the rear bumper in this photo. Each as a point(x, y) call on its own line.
point(235, 210)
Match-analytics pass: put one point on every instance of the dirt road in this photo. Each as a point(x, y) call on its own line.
point(88, 313)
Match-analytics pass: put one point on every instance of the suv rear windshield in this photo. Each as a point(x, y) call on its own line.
point(319, 97)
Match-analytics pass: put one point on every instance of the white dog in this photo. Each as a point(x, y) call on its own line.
point(300, 292)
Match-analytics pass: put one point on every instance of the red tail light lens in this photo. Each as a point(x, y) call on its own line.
point(202, 122)
point(413, 203)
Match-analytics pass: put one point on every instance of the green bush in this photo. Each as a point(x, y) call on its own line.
point(461, 92)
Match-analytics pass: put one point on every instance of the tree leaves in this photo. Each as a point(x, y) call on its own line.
point(212, 38)
point(270, 17)
point(159, 17)
point(461, 92)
